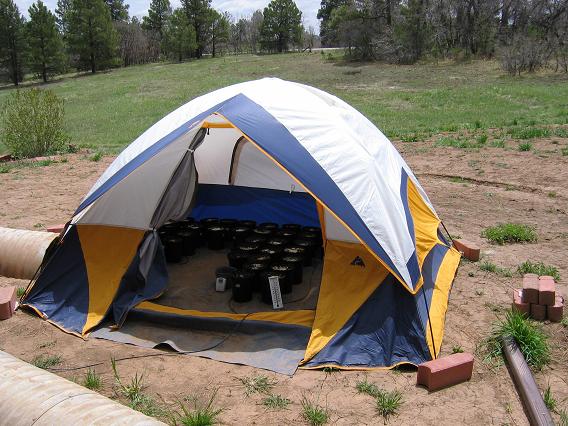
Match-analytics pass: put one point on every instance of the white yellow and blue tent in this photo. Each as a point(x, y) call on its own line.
point(269, 150)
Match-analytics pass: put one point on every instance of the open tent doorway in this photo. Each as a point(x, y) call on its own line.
point(271, 151)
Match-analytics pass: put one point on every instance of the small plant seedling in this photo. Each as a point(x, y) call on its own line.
point(525, 146)
point(199, 415)
point(46, 361)
point(314, 414)
point(549, 399)
point(257, 384)
point(508, 233)
point(532, 341)
point(92, 380)
point(329, 370)
point(96, 157)
point(564, 321)
point(276, 402)
point(563, 418)
point(538, 268)
point(388, 403)
point(479, 292)
point(457, 349)
point(528, 132)
point(20, 292)
point(368, 388)
point(491, 267)
point(563, 150)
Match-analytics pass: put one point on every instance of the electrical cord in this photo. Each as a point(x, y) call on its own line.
point(219, 343)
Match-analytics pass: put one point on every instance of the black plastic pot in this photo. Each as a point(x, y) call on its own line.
point(265, 284)
point(297, 262)
point(198, 229)
point(189, 239)
point(228, 273)
point(268, 225)
point(171, 227)
point(288, 234)
point(248, 223)
point(262, 232)
point(288, 270)
point(273, 252)
point(292, 227)
point(294, 250)
point(237, 258)
point(208, 221)
point(310, 246)
point(242, 287)
point(256, 269)
point(248, 248)
point(311, 232)
point(228, 225)
point(259, 258)
point(239, 233)
point(215, 235)
point(183, 224)
point(277, 242)
point(255, 239)
point(173, 247)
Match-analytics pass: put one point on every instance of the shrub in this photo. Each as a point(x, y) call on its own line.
point(510, 233)
point(33, 123)
point(538, 268)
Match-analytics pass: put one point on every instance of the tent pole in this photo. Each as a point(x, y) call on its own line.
point(429, 322)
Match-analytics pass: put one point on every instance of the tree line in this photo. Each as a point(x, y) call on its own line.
point(524, 34)
point(93, 35)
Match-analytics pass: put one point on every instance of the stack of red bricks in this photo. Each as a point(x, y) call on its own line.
point(538, 298)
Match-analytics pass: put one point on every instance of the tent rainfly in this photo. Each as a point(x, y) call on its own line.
point(267, 150)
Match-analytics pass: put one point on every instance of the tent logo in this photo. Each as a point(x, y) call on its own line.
point(358, 262)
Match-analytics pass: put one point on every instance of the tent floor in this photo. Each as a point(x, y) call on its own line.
point(192, 286)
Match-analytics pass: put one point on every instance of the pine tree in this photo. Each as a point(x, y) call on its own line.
point(282, 25)
point(46, 55)
point(12, 40)
point(158, 14)
point(118, 10)
point(220, 29)
point(91, 35)
point(199, 17)
point(179, 36)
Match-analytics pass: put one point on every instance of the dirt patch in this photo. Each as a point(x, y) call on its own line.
point(493, 190)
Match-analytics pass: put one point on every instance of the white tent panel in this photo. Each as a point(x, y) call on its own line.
point(133, 201)
point(336, 231)
point(253, 168)
point(213, 156)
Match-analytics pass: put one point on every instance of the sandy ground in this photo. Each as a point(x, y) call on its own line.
point(498, 185)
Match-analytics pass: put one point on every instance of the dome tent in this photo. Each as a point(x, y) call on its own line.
point(268, 150)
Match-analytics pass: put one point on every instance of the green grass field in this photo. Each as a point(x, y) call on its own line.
point(107, 111)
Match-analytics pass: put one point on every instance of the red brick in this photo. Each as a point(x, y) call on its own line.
point(530, 288)
point(470, 250)
point(7, 302)
point(445, 371)
point(538, 312)
point(55, 228)
point(518, 303)
point(546, 290)
point(556, 311)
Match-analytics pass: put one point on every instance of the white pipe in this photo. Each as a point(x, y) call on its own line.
point(21, 251)
point(32, 396)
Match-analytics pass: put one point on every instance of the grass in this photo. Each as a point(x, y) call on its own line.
point(257, 384)
point(457, 349)
point(564, 321)
point(509, 233)
point(488, 266)
point(200, 414)
point(525, 146)
point(549, 399)
point(46, 361)
point(109, 110)
point(367, 388)
point(538, 268)
point(276, 402)
point(92, 380)
point(564, 151)
point(20, 292)
point(134, 394)
point(563, 418)
point(388, 403)
point(313, 413)
point(528, 132)
point(530, 337)
point(96, 157)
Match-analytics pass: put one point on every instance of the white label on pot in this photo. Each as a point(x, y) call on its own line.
point(275, 292)
point(221, 284)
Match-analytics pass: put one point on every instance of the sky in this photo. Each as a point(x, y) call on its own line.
point(237, 8)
